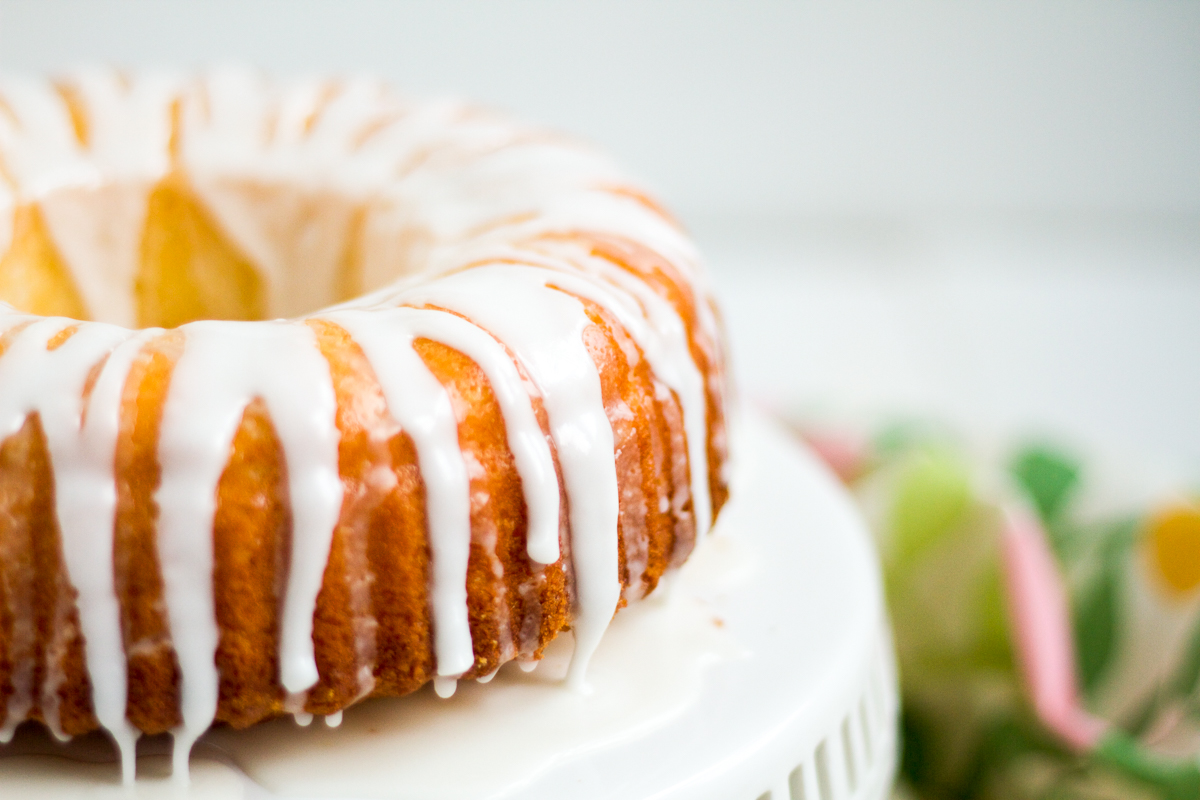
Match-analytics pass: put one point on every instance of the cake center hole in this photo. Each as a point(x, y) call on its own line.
point(161, 254)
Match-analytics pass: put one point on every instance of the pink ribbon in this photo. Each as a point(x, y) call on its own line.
point(1041, 628)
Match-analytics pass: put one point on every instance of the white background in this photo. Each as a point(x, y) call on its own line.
point(988, 211)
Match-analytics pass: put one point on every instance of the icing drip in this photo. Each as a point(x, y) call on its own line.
point(445, 686)
point(660, 334)
point(663, 338)
point(525, 438)
point(545, 328)
point(51, 383)
point(86, 504)
point(278, 362)
point(420, 404)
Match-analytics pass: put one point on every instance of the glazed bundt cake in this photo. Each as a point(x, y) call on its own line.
point(218, 503)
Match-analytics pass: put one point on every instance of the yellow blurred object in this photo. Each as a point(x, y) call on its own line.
point(1174, 542)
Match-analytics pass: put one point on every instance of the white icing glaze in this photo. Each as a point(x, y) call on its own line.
point(86, 506)
point(545, 328)
point(530, 451)
point(662, 338)
point(312, 181)
point(51, 383)
point(445, 687)
point(225, 366)
point(420, 404)
point(41, 150)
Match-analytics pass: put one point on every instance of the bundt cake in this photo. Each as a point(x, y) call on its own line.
point(219, 503)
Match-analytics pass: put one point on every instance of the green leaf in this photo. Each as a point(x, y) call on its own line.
point(1187, 674)
point(1008, 737)
point(1048, 476)
point(914, 748)
point(1176, 779)
point(900, 436)
point(1095, 624)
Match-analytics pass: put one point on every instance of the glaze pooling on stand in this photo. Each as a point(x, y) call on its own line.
point(468, 229)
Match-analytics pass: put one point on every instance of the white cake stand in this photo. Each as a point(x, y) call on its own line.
point(806, 711)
